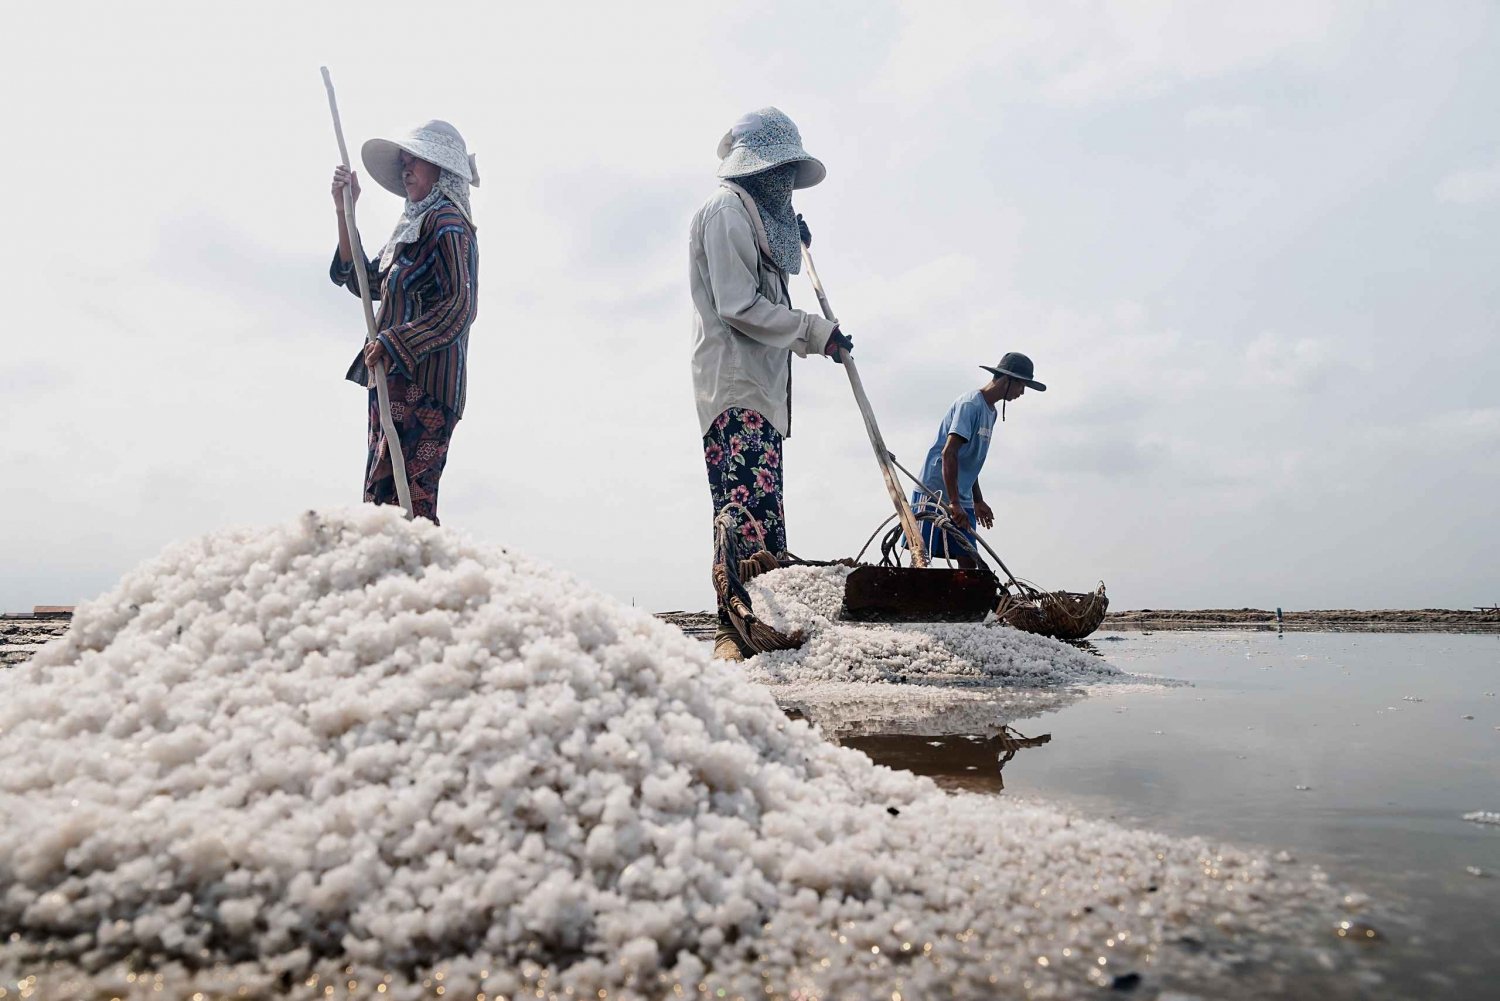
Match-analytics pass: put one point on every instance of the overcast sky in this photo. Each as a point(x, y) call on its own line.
point(1252, 248)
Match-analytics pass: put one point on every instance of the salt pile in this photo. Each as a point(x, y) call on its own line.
point(844, 708)
point(353, 755)
point(1482, 817)
point(807, 598)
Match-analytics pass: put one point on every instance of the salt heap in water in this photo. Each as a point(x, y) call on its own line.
point(359, 751)
point(808, 598)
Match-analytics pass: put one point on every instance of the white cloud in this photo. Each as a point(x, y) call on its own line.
point(1082, 52)
point(995, 184)
point(1475, 427)
point(1223, 116)
point(1301, 364)
point(1476, 186)
point(1472, 431)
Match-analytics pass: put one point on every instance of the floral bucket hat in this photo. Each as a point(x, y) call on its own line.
point(437, 142)
point(764, 139)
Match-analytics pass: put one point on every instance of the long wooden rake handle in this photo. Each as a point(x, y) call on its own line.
point(882, 455)
point(377, 375)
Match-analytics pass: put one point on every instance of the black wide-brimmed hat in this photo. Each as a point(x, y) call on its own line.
point(1017, 366)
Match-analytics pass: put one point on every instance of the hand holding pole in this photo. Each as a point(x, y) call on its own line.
point(377, 375)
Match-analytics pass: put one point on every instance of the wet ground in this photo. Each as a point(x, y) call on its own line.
point(1359, 752)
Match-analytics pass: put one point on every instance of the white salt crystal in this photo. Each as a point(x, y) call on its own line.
point(352, 745)
point(809, 598)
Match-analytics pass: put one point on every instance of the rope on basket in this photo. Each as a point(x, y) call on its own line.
point(730, 574)
point(1064, 615)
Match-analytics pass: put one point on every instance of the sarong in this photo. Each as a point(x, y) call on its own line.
point(424, 427)
point(742, 451)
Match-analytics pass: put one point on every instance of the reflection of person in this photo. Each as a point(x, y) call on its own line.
point(951, 470)
point(1010, 741)
point(427, 281)
point(742, 245)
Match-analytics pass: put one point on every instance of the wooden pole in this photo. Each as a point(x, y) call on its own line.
point(377, 375)
point(977, 537)
point(882, 455)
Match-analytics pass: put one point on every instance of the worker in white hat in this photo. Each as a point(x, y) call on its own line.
point(427, 281)
point(742, 245)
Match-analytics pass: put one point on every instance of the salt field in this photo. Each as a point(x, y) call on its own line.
point(1375, 756)
point(356, 756)
point(807, 599)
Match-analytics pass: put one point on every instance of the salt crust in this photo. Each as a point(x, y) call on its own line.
point(851, 708)
point(1482, 817)
point(354, 751)
point(808, 598)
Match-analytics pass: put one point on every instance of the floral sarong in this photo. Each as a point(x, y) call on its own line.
point(424, 427)
point(742, 451)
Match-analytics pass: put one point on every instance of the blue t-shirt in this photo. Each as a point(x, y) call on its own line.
point(972, 419)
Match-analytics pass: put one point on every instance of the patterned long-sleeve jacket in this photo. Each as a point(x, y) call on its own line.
point(428, 301)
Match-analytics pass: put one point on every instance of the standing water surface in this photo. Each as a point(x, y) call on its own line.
point(1359, 752)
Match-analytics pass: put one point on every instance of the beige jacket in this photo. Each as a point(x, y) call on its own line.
point(744, 328)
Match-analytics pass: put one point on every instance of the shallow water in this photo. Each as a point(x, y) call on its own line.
point(1303, 742)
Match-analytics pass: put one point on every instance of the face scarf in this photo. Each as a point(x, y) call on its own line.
point(772, 191)
point(449, 186)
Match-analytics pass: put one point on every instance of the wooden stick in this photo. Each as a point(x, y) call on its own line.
point(882, 455)
point(977, 537)
point(377, 375)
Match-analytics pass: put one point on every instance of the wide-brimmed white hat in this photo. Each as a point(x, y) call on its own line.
point(764, 139)
point(437, 142)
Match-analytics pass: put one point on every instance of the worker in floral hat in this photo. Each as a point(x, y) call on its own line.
point(743, 244)
point(427, 281)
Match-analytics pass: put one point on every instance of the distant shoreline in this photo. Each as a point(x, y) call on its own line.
point(1212, 616)
point(701, 624)
point(22, 634)
point(1332, 619)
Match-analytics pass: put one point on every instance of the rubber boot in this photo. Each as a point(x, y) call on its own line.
point(727, 644)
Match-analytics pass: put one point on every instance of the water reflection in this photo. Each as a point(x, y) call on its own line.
point(974, 762)
point(956, 709)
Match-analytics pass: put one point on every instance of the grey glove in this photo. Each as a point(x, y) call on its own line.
point(805, 233)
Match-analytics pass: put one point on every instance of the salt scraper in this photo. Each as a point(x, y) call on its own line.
point(916, 593)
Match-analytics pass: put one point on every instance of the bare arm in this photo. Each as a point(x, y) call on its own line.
point(950, 479)
point(982, 512)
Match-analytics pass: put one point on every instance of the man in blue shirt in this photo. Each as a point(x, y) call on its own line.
point(952, 467)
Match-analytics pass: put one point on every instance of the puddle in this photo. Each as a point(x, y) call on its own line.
point(1361, 753)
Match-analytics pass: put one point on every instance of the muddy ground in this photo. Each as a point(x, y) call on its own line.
point(21, 636)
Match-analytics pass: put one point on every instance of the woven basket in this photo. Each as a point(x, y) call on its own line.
point(729, 576)
point(1063, 615)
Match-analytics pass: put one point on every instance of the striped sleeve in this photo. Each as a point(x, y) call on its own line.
point(343, 274)
point(443, 321)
